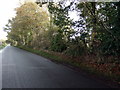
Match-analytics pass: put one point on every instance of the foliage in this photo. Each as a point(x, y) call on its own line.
point(76, 47)
point(57, 43)
point(110, 44)
point(29, 26)
point(104, 37)
point(95, 32)
point(59, 16)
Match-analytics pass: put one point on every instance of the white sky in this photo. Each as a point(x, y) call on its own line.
point(6, 12)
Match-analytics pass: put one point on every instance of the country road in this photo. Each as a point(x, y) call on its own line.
point(22, 69)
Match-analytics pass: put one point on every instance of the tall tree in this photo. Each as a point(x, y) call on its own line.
point(29, 25)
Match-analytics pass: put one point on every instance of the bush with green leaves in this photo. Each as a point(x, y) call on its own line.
point(75, 50)
point(58, 44)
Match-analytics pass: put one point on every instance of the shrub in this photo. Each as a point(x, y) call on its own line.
point(58, 44)
point(75, 50)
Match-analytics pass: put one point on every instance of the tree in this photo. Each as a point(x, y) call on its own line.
point(29, 25)
point(60, 17)
point(102, 26)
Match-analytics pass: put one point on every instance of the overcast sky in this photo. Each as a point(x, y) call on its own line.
point(6, 12)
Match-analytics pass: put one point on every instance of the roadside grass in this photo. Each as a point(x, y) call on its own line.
point(87, 67)
point(1, 47)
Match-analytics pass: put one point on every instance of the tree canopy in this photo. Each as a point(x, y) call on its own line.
point(97, 31)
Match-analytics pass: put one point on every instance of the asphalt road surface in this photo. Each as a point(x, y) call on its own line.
point(22, 69)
